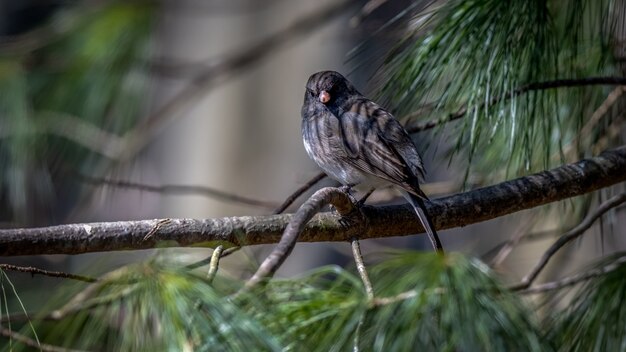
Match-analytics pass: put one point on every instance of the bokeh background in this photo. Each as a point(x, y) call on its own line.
point(98, 94)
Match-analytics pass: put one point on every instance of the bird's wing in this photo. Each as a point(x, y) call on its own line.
point(376, 143)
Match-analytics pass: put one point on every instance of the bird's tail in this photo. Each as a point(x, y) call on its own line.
point(420, 209)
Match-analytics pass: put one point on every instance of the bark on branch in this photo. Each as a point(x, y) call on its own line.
point(454, 211)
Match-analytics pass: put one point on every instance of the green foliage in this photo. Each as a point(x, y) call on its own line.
point(423, 301)
point(457, 305)
point(158, 306)
point(319, 312)
point(479, 56)
point(91, 72)
point(155, 307)
point(596, 318)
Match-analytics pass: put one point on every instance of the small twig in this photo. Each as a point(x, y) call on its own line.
point(178, 189)
point(157, 226)
point(574, 279)
point(305, 187)
point(357, 333)
point(33, 271)
point(225, 253)
point(360, 266)
point(214, 264)
point(559, 83)
point(27, 341)
point(328, 195)
point(568, 237)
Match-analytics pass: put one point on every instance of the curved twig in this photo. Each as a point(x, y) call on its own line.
point(328, 195)
point(574, 279)
point(568, 237)
point(305, 187)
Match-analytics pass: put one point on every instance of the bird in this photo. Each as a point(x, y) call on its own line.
point(361, 145)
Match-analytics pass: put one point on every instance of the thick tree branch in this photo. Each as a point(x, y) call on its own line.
point(453, 211)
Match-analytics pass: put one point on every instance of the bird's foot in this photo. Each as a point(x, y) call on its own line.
point(346, 189)
point(352, 218)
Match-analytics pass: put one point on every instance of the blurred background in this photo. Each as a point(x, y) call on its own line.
point(106, 104)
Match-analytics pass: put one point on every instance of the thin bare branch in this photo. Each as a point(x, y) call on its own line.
point(300, 191)
point(360, 267)
point(559, 83)
point(33, 271)
point(461, 209)
point(568, 237)
point(27, 341)
point(180, 190)
point(574, 279)
point(342, 201)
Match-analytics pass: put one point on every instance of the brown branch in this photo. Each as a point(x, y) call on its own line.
point(457, 210)
point(225, 68)
point(568, 237)
point(178, 189)
point(305, 187)
point(559, 83)
point(33, 271)
point(328, 195)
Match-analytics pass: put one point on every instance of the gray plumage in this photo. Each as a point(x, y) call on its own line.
point(360, 144)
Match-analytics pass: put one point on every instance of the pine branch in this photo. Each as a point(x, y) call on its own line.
point(458, 210)
point(535, 86)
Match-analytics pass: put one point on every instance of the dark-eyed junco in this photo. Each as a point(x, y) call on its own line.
point(359, 144)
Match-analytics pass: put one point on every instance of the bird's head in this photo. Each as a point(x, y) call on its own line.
point(328, 87)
